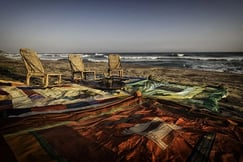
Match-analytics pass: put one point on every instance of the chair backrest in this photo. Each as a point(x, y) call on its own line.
point(114, 61)
point(76, 62)
point(31, 60)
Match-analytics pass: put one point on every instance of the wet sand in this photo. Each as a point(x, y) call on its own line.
point(14, 70)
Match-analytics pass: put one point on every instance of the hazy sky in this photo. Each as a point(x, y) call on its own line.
point(121, 25)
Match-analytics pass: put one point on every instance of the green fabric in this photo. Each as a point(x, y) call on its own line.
point(200, 96)
point(212, 101)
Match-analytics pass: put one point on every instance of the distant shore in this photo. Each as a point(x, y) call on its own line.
point(14, 70)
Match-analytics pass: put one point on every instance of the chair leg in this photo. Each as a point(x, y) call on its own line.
point(121, 73)
point(82, 75)
point(28, 80)
point(46, 81)
point(43, 80)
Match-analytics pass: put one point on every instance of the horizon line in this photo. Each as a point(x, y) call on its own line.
point(2, 51)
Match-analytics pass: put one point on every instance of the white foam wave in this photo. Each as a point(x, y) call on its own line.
point(95, 60)
point(15, 56)
point(217, 68)
point(85, 55)
point(141, 58)
point(210, 63)
point(99, 54)
point(157, 58)
point(234, 58)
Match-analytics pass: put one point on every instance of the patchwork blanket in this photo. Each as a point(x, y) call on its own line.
point(130, 129)
point(32, 100)
point(22, 100)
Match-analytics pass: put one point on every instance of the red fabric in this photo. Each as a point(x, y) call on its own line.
point(98, 134)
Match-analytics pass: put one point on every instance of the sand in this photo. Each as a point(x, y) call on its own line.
point(14, 70)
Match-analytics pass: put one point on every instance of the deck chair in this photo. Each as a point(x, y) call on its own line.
point(114, 65)
point(77, 67)
point(34, 67)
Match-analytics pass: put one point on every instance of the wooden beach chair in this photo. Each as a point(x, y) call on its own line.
point(34, 67)
point(77, 67)
point(114, 65)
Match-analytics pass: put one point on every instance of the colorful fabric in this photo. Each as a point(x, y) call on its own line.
point(198, 96)
point(30, 100)
point(130, 129)
point(78, 123)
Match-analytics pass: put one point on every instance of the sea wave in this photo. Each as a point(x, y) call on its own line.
point(205, 61)
point(234, 58)
point(96, 60)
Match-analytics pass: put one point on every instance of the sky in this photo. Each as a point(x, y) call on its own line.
point(122, 25)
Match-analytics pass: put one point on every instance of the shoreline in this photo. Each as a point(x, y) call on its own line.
point(227, 63)
point(14, 70)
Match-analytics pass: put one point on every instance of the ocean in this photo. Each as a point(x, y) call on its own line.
point(210, 61)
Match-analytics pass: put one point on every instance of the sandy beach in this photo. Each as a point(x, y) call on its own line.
point(14, 70)
point(118, 126)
